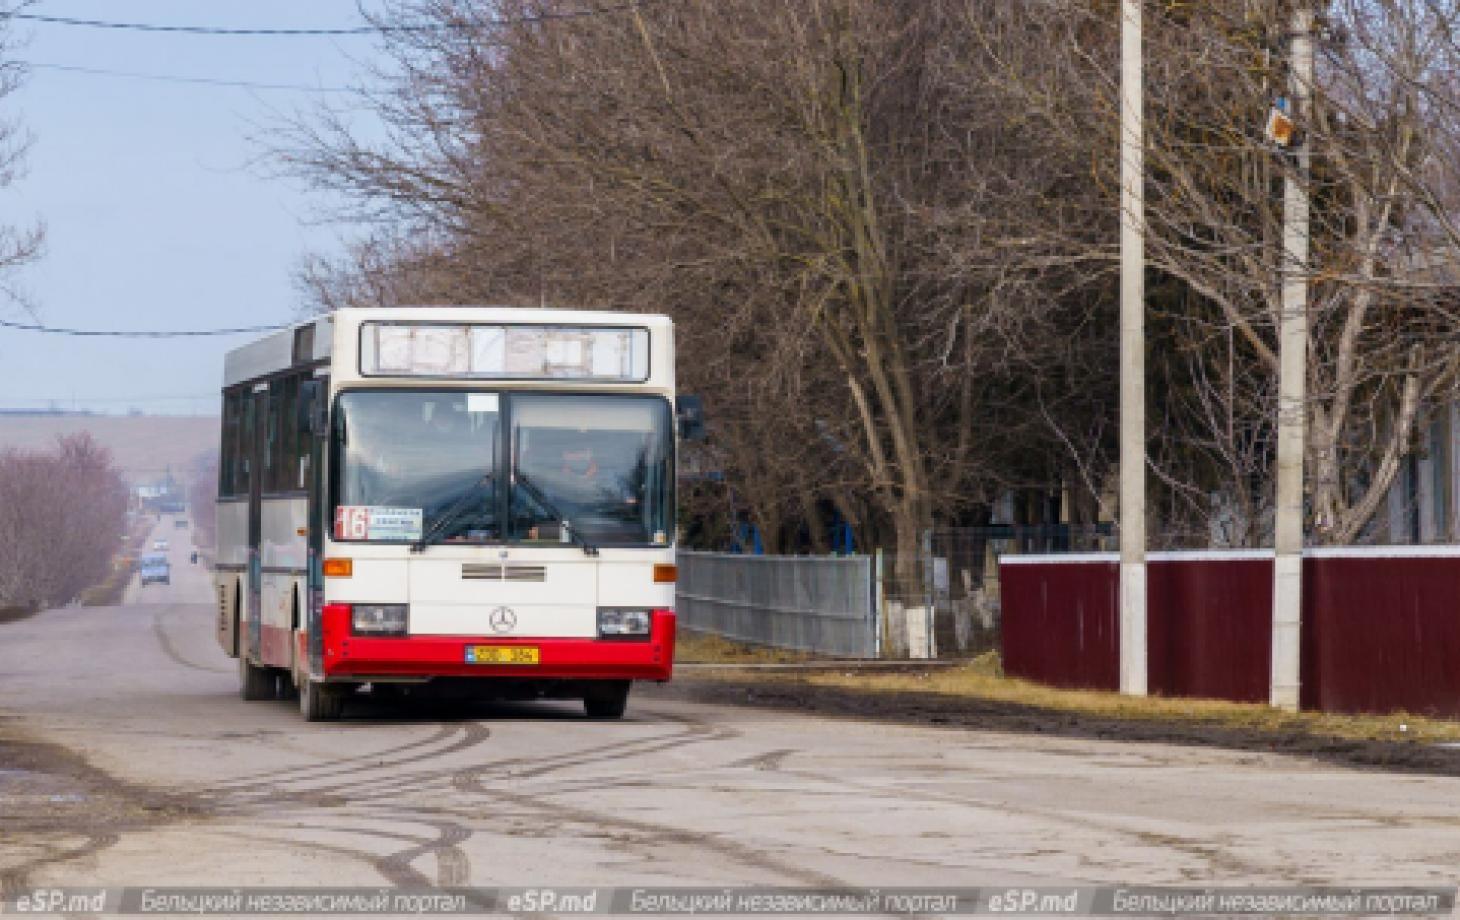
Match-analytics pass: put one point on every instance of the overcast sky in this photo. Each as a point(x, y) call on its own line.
point(155, 217)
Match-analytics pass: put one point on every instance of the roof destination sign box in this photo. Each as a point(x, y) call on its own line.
point(505, 352)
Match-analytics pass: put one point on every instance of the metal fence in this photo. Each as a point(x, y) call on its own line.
point(821, 604)
point(942, 602)
point(945, 603)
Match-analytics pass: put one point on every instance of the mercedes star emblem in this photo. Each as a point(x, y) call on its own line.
point(502, 619)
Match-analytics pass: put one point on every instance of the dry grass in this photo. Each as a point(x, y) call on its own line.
point(692, 647)
point(110, 591)
point(983, 680)
point(13, 614)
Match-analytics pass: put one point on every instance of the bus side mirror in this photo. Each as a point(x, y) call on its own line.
point(311, 418)
point(689, 412)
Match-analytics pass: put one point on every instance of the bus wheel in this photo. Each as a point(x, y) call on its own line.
point(606, 699)
point(320, 702)
point(254, 683)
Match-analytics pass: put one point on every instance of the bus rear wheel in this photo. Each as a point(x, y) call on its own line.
point(254, 683)
point(606, 699)
point(319, 702)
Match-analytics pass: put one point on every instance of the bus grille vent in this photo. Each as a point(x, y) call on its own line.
point(494, 572)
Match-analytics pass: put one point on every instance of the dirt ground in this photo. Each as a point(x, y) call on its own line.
point(15, 614)
point(67, 808)
point(787, 693)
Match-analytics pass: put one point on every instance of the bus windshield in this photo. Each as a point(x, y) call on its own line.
point(592, 468)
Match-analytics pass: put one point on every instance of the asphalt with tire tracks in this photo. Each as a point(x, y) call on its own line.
point(127, 758)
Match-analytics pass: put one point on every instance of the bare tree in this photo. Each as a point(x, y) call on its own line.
point(18, 245)
point(886, 234)
point(1383, 137)
point(855, 239)
point(1380, 338)
point(62, 515)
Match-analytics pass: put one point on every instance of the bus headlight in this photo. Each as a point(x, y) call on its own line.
point(620, 622)
point(379, 620)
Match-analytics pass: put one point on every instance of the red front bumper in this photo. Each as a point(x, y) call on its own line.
point(364, 657)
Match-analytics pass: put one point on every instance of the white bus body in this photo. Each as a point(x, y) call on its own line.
point(475, 496)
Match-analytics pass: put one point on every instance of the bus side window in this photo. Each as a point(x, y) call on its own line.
point(301, 438)
point(273, 438)
point(233, 459)
point(228, 446)
point(248, 431)
point(286, 435)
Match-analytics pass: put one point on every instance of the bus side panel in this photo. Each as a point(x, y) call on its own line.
point(231, 561)
point(274, 630)
point(232, 535)
point(227, 616)
point(283, 548)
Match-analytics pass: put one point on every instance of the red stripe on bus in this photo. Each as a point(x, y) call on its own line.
point(445, 656)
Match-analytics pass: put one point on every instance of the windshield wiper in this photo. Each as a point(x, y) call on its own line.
point(589, 549)
point(450, 514)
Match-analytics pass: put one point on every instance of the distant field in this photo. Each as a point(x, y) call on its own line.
point(143, 446)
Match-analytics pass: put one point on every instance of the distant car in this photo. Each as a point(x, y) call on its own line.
point(160, 546)
point(154, 568)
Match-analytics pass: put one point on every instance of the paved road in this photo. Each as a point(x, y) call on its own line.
point(676, 794)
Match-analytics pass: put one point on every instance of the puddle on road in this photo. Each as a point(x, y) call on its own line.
point(27, 791)
point(12, 778)
point(6, 774)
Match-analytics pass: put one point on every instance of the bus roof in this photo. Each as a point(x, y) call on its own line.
point(312, 340)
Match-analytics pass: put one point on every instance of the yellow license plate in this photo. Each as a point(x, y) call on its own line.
point(502, 654)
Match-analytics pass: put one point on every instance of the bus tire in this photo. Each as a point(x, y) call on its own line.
point(320, 702)
point(606, 699)
point(254, 683)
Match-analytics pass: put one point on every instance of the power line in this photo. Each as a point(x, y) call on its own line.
point(191, 30)
point(337, 32)
point(174, 78)
point(61, 402)
point(139, 334)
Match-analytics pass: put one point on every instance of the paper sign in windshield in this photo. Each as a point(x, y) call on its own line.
point(368, 522)
point(481, 402)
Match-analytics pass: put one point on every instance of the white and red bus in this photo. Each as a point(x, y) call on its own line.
point(480, 499)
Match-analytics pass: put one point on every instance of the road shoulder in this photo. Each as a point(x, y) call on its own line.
point(798, 693)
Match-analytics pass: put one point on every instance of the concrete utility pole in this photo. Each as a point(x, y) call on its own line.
point(1287, 565)
point(1132, 358)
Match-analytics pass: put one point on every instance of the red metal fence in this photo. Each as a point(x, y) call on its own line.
point(1381, 626)
point(1060, 623)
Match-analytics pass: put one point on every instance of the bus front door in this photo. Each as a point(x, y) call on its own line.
point(255, 421)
